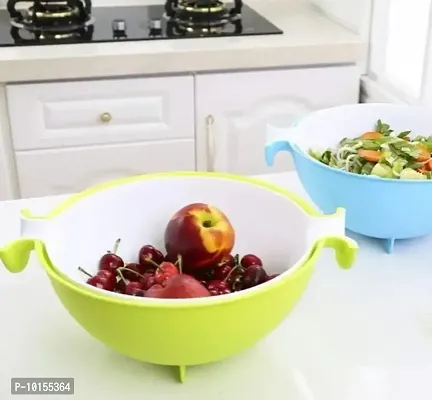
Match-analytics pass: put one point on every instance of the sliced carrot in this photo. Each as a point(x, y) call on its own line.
point(371, 135)
point(370, 155)
point(428, 165)
point(425, 154)
point(422, 170)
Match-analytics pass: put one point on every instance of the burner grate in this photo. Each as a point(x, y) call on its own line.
point(51, 18)
point(202, 14)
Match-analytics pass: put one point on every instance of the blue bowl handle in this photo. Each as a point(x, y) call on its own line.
point(277, 139)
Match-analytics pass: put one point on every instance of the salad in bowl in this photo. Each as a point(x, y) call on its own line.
point(381, 152)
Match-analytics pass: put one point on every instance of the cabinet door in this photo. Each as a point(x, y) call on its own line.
point(69, 114)
point(67, 171)
point(233, 110)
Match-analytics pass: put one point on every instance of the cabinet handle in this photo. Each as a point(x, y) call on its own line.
point(211, 148)
point(105, 117)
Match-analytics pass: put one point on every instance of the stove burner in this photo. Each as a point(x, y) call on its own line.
point(25, 36)
point(202, 15)
point(54, 19)
point(177, 29)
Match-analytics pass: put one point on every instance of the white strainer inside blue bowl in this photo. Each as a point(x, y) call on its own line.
point(380, 208)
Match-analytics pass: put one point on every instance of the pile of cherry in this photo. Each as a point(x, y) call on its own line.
point(154, 272)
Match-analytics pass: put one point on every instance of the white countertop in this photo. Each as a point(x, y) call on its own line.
point(309, 39)
point(361, 334)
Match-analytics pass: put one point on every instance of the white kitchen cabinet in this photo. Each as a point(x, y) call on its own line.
point(233, 110)
point(64, 171)
point(68, 136)
point(8, 184)
point(69, 114)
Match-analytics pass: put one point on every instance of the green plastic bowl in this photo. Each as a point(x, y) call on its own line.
point(285, 231)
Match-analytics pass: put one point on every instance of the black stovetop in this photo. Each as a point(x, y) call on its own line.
point(141, 22)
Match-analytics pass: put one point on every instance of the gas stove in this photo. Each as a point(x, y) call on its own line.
point(48, 22)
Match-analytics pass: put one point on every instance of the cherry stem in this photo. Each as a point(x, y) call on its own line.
point(149, 260)
point(116, 246)
point(84, 272)
point(179, 263)
point(229, 274)
point(237, 259)
point(121, 275)
point(131, 270)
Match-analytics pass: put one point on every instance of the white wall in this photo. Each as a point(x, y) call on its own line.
point(354, 14)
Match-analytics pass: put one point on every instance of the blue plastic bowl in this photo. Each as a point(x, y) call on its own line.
point(379, 208)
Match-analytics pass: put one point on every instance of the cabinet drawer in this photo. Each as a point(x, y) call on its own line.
point(50, 115)
point(72, 170)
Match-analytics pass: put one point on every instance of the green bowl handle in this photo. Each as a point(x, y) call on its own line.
point(345, 249)
point(15, 256)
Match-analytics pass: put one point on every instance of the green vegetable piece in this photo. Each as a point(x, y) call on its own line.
point(315, 154)
point(384, 129)
point(398, 165)
point(367, 168)
point(326, 157)
point(371, 145)
point(403, 134)
point(357, 164)
point(414, 165)
point(333, 161)
point(382, 170)
point(409, 173)
point(404, 149)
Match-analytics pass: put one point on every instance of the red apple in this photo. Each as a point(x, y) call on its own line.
point(179, 287)
point(154, 291)
point(201, 233)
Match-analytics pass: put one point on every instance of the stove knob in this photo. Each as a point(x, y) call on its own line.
point(155, 24)
point(119, 27)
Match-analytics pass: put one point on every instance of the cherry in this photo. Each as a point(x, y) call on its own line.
point(204, 274)
point(229, 269)
point(134, 289)
point(254, 276)
point(138, 293)
point(147, 254)
point(218, 287)
point(104, 279)
point(130, 287)
point(235, 275)
point(229, 261)
point(166, 270)
point(132, 272)
point(270, 277)
point(148, 280)
point(231, 280)
point(121, 286)
point(250, 259)
point(111, 261)
point(220, 273)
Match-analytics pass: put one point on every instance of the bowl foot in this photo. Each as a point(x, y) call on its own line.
point(182, 373)
point(389, 244)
